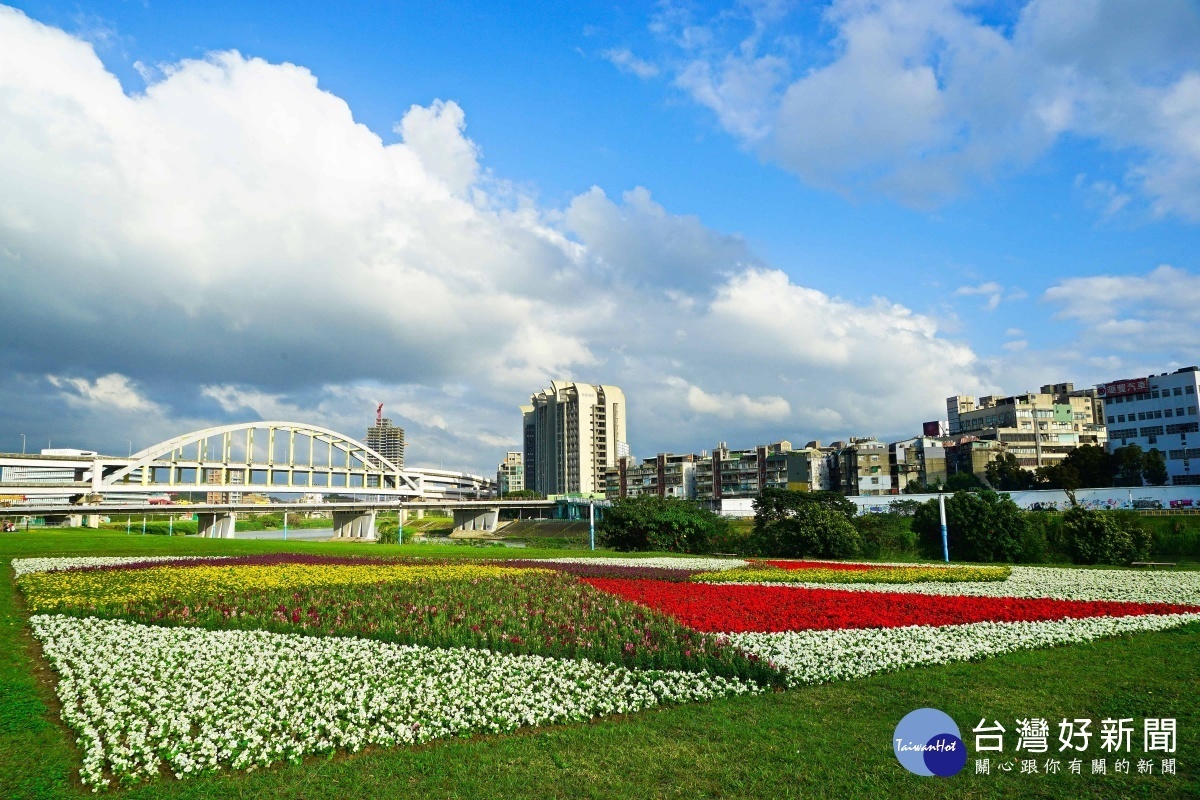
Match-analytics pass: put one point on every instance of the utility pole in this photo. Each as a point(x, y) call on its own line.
point(1037, 435)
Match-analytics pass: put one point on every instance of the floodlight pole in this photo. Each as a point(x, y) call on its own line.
point(285, 526)
point(945, 539)
point(592, 524)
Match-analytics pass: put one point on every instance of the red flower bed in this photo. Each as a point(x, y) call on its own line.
point(740, 608)
point(822, 565)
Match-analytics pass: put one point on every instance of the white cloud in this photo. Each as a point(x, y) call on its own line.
point(626, 61)
point(113, 391)
point(727, 405)
point(435, 134)
point(916, 99)
point(231, 244)
point(1151, 313)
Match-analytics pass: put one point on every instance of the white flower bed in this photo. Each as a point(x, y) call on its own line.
point(141, 696)
point(1054, 582)
point(820, 656)
point(22, 566)
point(683, 562)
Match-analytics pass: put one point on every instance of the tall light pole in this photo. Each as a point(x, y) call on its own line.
point(130, 443)
point(592, 524)
point(22, 444)
point(945, 539)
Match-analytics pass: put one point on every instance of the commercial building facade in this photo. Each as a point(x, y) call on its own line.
point(1158, 412)
point(573, 433)
point(1039, 428)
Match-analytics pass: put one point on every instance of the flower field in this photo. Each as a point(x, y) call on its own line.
point(830, 572)
point(188, 665)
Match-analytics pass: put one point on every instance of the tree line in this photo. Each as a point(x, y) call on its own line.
point(1086, 467)
point(983, 526)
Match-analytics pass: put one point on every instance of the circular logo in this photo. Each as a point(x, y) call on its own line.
point(927, 742)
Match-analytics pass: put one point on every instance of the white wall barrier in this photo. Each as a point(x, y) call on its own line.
point(1141, 498)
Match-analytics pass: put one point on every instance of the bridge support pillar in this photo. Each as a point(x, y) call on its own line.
point(92, 520)
point(215, 524)
point(354, 525)
point(476, 519)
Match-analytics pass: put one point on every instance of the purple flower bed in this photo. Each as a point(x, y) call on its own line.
point(581, 570)
point(261, 560)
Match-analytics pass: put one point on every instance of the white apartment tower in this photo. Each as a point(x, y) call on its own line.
point(572, 433)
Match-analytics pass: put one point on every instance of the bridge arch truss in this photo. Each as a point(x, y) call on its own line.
point(259, 457)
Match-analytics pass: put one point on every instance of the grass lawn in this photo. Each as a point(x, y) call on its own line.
point(824, 741)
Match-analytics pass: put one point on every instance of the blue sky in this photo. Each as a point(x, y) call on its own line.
point(762, 220)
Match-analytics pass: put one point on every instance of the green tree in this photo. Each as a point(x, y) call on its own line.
point(887, 535)
point(790, 523)
point(1104, 537)
point(650, 522)
point(776, 503)
point(522, 494)
point(963, 482)
point(1006, 474)
point(1154, 467)
point(1094, 465)
point(981, 526)
point(1060, 476)
point(1128, 462)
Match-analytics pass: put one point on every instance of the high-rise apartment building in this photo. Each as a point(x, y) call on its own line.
point(1158, 411)
point(573, 432)
point(387, 440)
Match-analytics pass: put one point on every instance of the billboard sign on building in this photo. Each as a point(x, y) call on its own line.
point(934, 428)
point(1121, 388)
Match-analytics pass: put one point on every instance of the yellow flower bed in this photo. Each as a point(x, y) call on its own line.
point(47, 591)
point(760, 573)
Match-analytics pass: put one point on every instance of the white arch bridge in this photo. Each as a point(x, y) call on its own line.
point(247, 457)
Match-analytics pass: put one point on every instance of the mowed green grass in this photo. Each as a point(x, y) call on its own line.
point(831, 741)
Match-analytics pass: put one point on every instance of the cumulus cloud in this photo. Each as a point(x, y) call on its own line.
point(231, 244)
point(916, 99)
point(728, 405)
point(1151, 313)
point(111, 391)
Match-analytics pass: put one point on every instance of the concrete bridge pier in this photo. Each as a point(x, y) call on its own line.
point(357, 525)
point(472, 519)
point(215, 524)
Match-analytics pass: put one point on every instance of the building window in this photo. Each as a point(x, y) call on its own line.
point(1111, 420)
point(1190, 389)
point(1154, 395)
point(1158, 415)
point(1170, 413)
